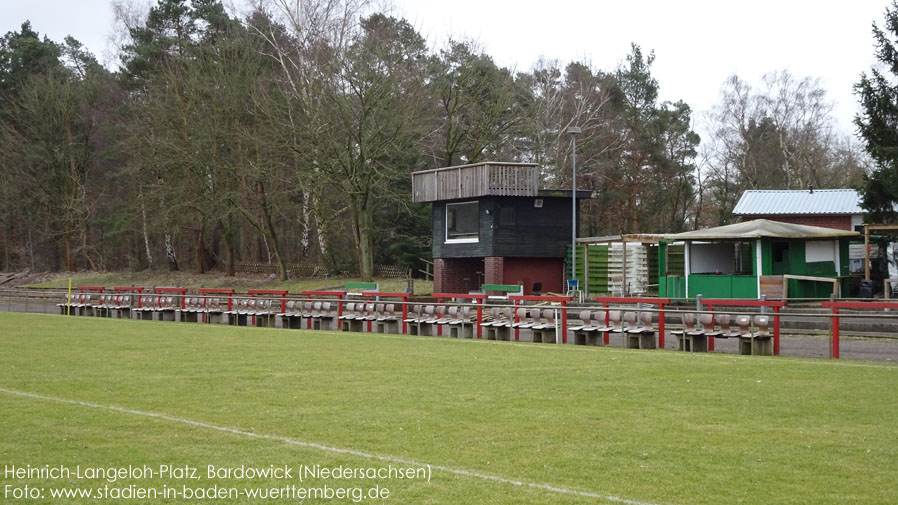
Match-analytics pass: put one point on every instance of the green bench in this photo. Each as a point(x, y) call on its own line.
point(506, 289)
point(358, 287)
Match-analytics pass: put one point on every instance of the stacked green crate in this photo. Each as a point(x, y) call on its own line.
point(671, 271)
point(676, 260)
point(651, 256)
point(581, 263)
point(598, 269)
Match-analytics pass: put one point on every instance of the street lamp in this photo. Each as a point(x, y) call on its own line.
point(574, 131)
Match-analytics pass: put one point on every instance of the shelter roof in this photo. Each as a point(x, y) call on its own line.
point(762, 228)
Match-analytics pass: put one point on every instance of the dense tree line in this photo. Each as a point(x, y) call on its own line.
point(288, 136)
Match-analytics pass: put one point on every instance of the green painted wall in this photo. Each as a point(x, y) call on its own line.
point(671, 266)
point(723, 286)
point(766, 257)
point(843, 257)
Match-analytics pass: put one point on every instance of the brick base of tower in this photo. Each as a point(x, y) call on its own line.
point(462, 275)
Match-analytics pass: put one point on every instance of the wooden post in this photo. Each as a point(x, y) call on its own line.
point(776, 331)
point(624, 290)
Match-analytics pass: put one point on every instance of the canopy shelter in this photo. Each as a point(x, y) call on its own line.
point(759, 257)
point(617, 264)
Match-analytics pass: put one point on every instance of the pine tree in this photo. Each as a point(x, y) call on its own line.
point(878, 124)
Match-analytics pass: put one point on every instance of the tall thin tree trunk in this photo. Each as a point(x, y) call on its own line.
point(306, 221)
point(69, 262)
point(201, 249)
point(320, 226)
point(363, 244)
point(146, 234)
point(170, 253)
point(231, 245)
point(6, 252)
point(31, 249)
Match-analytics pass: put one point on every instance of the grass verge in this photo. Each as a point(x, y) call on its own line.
point(651, 427)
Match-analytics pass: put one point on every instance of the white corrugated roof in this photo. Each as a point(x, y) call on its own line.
point(790, 202)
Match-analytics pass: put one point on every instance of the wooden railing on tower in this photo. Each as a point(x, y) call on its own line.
point(471, 181)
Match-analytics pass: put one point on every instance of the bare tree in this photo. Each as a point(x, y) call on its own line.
point(778, 135)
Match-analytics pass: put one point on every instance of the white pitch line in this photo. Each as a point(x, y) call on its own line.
point(338, 450)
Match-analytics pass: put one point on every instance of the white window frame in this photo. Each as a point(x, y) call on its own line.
point(468, 240)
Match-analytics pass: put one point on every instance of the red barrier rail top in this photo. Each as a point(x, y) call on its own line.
point(280, 292)
point(475, 298)
point(615, 299)
point(170, 290)
point(744, 303)
point(534, 298)
point(462, 296)
point(860, 305)
point(128, 289)
point(217, 291)
point(834, 324)
point(180, 291)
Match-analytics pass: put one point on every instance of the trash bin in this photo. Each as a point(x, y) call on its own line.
point(866, 291)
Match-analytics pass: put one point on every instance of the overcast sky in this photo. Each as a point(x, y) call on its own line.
point(697, 43)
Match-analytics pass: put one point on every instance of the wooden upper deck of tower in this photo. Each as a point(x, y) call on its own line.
point(489, 178)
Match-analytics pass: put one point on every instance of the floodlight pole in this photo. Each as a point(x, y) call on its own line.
point(573, 131)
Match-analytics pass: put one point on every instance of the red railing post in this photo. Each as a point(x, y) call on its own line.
point(477, 300)
point(661, 325)
point(368, 313)
point(480, 318)
point(309, 319)
point(835, 331)
point(404, 315)
point(517, 331)
point(563, 322)
point(605, 335)
point(439, 327)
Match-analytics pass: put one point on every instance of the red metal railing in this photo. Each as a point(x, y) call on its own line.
point(329, 294)
point(211, 291)
point(834, 324)
point(160, 291)
point(776, 305)
point(660, 302)
point(478, 299)
point(130, 289)
point(551, 299)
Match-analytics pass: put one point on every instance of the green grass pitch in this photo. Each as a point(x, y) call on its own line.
point(566, 424)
